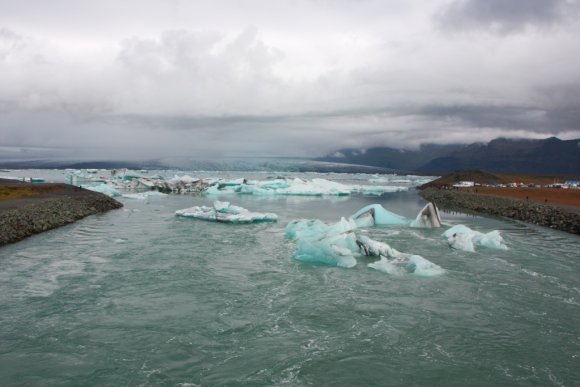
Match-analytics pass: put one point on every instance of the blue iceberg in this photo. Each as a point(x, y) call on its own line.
point(375, 214)
point(319, 242)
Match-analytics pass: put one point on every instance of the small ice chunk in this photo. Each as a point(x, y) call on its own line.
point(463, 238)
point(226, 213)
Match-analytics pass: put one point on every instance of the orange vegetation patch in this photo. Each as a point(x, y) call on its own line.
point(19, 191)
point(558, 196)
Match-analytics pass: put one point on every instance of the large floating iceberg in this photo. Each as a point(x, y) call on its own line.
point(338, 245)
point(461, 237)
point(375, 214)
point(226, 213)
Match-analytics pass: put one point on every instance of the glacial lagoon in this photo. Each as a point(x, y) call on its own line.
point(139, 296)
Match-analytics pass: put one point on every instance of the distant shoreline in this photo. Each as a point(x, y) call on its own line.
point(547, 215)
point(27, 209)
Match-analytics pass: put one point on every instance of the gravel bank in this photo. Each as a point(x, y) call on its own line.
point(20, 218)
point(540, 214)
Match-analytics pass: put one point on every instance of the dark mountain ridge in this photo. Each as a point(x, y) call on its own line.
point(519, 156)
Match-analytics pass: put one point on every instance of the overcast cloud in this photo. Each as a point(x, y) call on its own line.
point(153, 78)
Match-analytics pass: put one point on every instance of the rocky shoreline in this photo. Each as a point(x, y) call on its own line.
point(540, 214)
point(64, 204)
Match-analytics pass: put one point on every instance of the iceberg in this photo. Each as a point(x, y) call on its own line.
point(376, 190)
point(106, 189)
point(428, 217)
point(318, 242)
point(378, 215)
point(413, 264)
point(144, 195)
point(224, 212)
point(375, 214)
point(337, 245)
point(399, 263)
point(461, 237)
point(299, 187)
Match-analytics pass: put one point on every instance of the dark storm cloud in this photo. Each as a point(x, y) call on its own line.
point(506, 16)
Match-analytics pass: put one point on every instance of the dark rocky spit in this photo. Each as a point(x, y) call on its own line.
point(55, 205)
point(546, 215)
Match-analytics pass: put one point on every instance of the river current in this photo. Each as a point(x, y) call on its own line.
point(138, 296)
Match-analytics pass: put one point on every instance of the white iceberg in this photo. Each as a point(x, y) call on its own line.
point(395, 262)
point(226, 213)
point(106, 189)
point(377, 190)
point(144, 195)
point(299, 187)
point(461, 237)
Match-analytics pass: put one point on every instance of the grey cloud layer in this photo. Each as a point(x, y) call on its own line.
point(357, 74)
point(507, 16)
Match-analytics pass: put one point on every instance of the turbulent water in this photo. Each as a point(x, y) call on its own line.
point(138, 296)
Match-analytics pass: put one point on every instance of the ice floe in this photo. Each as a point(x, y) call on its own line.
point(226, 213)
point(461, 237)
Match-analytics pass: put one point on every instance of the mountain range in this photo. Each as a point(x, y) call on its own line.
point(550, 156)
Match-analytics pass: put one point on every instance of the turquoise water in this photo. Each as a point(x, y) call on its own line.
point(138, 296)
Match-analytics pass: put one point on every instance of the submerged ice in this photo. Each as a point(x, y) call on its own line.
point(461, 237)
point(226, 213)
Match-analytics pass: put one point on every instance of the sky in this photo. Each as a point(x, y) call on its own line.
point(227, 78)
